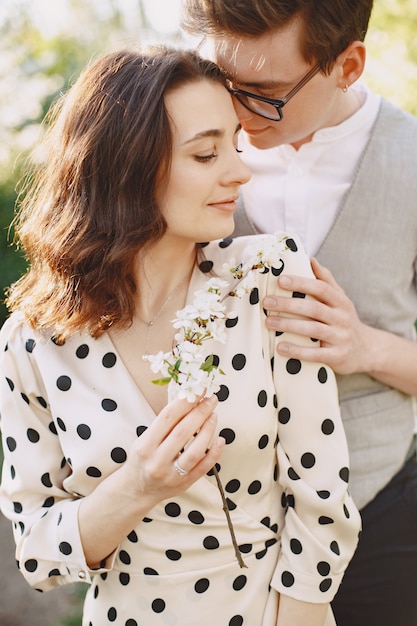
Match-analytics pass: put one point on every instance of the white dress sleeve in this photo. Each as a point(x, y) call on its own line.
point(321, 521)
point(33, 494)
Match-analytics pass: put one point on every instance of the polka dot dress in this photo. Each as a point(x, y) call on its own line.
point(69, 415)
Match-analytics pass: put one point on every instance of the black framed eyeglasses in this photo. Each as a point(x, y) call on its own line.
point(270, 108)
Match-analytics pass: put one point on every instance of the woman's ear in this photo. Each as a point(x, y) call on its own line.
point(351, 63)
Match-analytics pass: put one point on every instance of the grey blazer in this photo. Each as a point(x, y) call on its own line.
point(371, 250)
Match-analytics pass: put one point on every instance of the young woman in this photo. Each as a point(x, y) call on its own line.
point(104, 479)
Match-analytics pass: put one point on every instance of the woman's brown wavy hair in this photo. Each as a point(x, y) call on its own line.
point(92, 207)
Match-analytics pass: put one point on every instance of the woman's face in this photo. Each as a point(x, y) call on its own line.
point(206, 170)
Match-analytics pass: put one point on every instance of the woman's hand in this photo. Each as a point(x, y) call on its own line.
point(149, 475)
point(182, 432)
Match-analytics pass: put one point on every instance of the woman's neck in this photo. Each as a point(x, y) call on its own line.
point(162, 277)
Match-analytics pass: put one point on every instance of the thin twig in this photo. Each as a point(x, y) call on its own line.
point(229, 521)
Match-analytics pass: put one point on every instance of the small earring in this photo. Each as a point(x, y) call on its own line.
point(345, 88)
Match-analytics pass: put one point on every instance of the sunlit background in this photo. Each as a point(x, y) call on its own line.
point(43, 46)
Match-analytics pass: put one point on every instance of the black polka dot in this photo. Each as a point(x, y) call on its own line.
point(245, 548)
point(112, 614)
point(232, 486)
point(52, 428)
point(42, 402)
point(225, 243)
point(131, 622)
point(254, 296)
point(323, 568)
point(346, 511)
point(132, 536)
point(65, 548)
point(109, 360)
point(30, 345)
point(327, 427)
point(31, 565)
point(344, 474)
point(173, 555)
point(254, 487)
point(231, 322)
point(293, 474)
point(290, 500)
point(287, 579)
point(298, 294)
point(84, 431)
point(296, 546)
point(223, 393)
point(239, 362)
point(210, 543)
point(118, 455)
point(140, 430)
point(201, 585)
point(239, 582)
point(49, 502)
point(206, 266)
point(108, 404)
point(158, 605)
point(334, 547)
point(263, 442)
point(308, 460)
point(149, 571)
point(124, 578)
point(124, 557)
point(293, 366)
point(63, 383)
point(82, 351)
point(237, 620)
point(230, 504)
point(54, 572)
point(322, 375)
point(284, 415)
point(196, 517)
point(323, 520)
point(323, 494)
point(290, 243)
point(262, 398)
point(172, 509)
point(32, 435)
point(266, 521)
point(228, 434)
point(61, 424)
point(10, 383)
point(94, 472)
point(17, 507)
point(277, 271)
point(325, 585)
point(25, 398)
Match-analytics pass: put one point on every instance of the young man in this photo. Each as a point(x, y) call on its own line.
point(338, 165)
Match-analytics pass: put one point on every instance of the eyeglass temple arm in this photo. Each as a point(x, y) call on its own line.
point(314, 70)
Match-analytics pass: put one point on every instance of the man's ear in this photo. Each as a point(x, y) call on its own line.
point(351, 63)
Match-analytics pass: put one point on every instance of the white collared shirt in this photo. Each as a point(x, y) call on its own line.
point(300, 191)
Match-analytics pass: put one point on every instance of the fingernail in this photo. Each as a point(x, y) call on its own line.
point(268, 301)
point(211, 401)
point(285, 281)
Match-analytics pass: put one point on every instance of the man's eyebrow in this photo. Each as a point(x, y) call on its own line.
point(210, 132)
point(261, 84)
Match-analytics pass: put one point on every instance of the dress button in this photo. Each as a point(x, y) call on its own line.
point(81, 575)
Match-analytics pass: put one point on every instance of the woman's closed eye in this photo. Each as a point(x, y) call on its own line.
point(205, 158)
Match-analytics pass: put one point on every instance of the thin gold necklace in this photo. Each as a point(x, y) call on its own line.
point(159, 311)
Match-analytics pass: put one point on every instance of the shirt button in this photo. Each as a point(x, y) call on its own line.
point(81, 575)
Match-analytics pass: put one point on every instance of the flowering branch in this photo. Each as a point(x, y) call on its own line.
point(187, 372)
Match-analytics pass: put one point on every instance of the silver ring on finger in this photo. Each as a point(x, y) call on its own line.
point(181, 471)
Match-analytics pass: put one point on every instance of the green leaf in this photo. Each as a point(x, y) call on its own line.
point(162, 381)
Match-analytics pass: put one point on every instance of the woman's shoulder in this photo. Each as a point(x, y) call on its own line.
point(241, 250)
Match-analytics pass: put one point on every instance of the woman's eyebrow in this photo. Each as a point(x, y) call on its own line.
point(210, 132)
